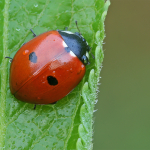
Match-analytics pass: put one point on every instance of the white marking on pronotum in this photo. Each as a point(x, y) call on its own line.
point(72, 54)
point(87, 54)
point(87, 43)
point(68, 32)
point(64, 44)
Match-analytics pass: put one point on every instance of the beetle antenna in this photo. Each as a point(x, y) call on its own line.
point(77, 27)
point(93, 56)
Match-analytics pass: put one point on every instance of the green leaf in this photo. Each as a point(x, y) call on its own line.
point(67, 124)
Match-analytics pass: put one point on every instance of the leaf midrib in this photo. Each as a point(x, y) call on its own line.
point(4, 75)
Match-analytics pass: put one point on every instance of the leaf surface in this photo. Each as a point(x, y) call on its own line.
point(67, 124)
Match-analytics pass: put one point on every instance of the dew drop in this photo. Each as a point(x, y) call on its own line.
point(17, 29)
point(25, 52)
point(35, 5)
point(10, 61)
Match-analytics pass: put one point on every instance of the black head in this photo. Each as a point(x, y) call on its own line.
point(77, 44)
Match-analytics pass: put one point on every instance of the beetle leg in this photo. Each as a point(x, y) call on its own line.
point(34, 107)
point(10, 59)
point(23, 44)
point(33, 32)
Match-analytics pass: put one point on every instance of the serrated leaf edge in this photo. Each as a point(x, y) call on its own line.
point(89, 91)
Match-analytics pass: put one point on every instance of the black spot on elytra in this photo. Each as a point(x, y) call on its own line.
point(67, 49)
point(52, 80)
point(33, 57)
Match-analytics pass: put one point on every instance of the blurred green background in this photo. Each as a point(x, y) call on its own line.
point(122, 121)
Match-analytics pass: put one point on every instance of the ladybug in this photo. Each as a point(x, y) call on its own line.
point(48, 67)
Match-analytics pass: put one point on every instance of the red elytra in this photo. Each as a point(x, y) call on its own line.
point(47, 68)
